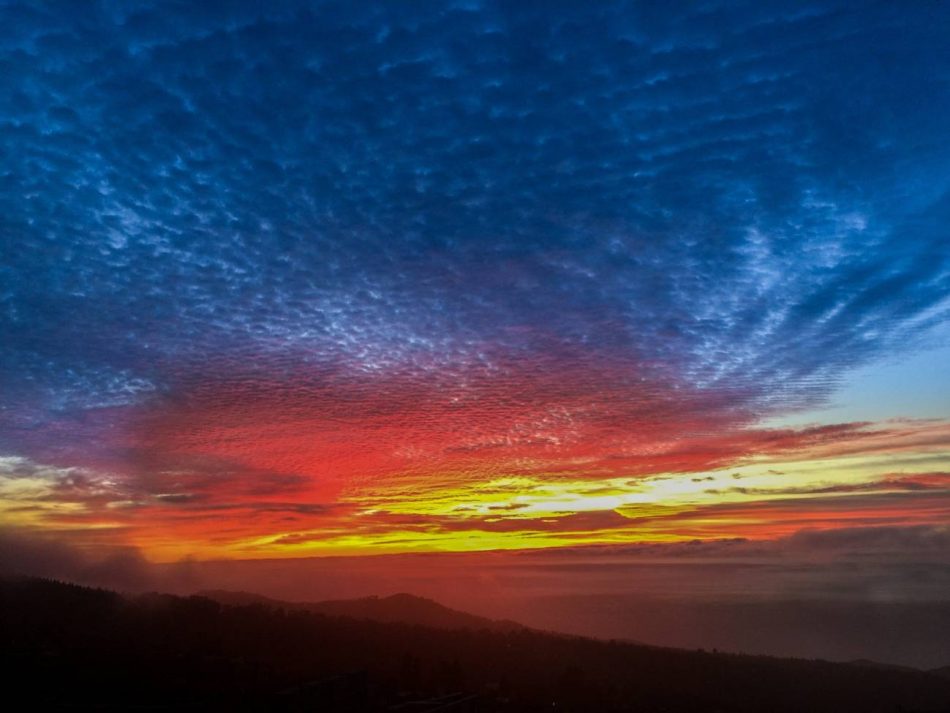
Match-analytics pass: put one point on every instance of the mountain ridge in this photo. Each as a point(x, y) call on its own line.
point(401, 607)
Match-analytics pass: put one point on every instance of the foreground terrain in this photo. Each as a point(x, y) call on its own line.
point(68, 647)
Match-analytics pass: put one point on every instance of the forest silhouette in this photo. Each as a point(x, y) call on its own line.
point(71, 647)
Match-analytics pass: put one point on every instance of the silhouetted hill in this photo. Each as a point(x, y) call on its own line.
point(65, 646)
point(398, 608)
point(885, 666)
point(943, 672)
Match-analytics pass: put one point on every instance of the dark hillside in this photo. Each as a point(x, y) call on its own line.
point(67, 646)
point(401, 608)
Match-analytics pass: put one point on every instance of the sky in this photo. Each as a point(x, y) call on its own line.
point(295, 280)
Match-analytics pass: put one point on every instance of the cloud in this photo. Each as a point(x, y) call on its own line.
point(37, 555)
point(914, 541)
point(892, 543)
point(261, 255)
point(385, 190)
point(783, 516)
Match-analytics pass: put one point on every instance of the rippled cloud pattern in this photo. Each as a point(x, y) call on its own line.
point(364, 272)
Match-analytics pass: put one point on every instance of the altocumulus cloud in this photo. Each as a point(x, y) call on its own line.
point(744, 200)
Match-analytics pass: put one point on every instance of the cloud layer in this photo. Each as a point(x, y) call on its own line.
point(275, 262)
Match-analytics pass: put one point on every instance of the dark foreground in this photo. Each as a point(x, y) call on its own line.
point(71, 648)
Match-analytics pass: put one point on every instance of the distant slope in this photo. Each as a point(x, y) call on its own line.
point(242, 599)
point(883, 666)
point(398, 608)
